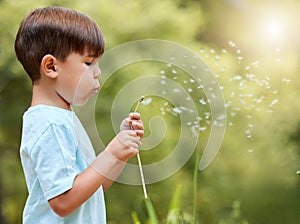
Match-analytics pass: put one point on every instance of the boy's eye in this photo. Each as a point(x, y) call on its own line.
point(88, 63)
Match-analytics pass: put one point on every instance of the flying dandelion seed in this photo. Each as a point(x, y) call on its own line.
point(202, 101)
point(256, 64)
point(163, 82)
point(196, 57)
point(201, 51)
point(175, 111)
point(275, 101)
point(176, 90)
point(232, 44)
point(217, 57)
point(285, 80)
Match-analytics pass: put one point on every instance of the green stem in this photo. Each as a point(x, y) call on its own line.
point(195, 185)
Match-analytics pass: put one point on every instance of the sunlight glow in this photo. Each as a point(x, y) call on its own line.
point(275, 28)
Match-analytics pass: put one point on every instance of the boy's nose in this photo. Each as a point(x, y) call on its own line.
point(97, 72)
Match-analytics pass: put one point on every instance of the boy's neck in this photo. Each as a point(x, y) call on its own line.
point(46, 96)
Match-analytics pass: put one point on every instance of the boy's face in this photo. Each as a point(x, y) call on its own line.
point(78, 78)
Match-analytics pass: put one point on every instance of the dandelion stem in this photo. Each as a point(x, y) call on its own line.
point(142, 175)
point(138, 155)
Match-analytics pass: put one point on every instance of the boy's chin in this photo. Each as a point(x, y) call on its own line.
point(80, 102)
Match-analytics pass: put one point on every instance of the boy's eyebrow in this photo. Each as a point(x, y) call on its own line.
point(89, 56)
point(93, 57)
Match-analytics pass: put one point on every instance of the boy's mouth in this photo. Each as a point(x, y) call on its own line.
point(95, 90)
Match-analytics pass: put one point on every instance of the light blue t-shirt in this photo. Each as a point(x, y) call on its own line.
point(54, 149)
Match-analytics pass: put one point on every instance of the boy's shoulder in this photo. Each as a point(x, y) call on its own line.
point(45, 115)
point(38, 119)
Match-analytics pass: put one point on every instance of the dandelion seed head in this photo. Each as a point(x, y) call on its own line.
point(147, 101)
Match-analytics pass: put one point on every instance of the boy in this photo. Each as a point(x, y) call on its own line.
point(59, 48)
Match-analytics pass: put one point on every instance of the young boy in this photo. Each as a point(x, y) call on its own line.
point(59, 48)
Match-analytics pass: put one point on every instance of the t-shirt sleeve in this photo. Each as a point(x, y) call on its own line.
point(54, 157)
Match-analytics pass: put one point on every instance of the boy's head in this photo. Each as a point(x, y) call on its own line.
point(57, 31)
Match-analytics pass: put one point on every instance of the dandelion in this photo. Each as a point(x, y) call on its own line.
point(147, 101)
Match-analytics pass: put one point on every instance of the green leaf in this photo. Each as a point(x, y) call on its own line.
point(135, 218)
point(174, 210)
point(151, 212)
point(175, 202)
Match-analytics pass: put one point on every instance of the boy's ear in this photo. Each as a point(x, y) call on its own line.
point(48, 66)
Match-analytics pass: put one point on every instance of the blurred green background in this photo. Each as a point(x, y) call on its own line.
point(253, 49)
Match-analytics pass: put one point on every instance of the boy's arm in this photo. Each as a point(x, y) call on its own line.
point(84, 186)
point(119, 150)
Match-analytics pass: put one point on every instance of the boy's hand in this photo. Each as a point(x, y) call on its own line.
point(133, 122)
point(111, 161)
point(124, 145)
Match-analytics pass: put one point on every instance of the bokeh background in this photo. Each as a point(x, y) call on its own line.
point(252, 47)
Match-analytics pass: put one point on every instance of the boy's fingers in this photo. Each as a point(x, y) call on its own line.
point(135, 116)
point(137, 124)
point(134, 151)
point(134, 138)
point(140, 133)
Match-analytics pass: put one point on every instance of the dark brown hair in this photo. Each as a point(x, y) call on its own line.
point(57, 31)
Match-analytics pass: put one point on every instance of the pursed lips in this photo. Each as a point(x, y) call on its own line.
point(95, 90)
